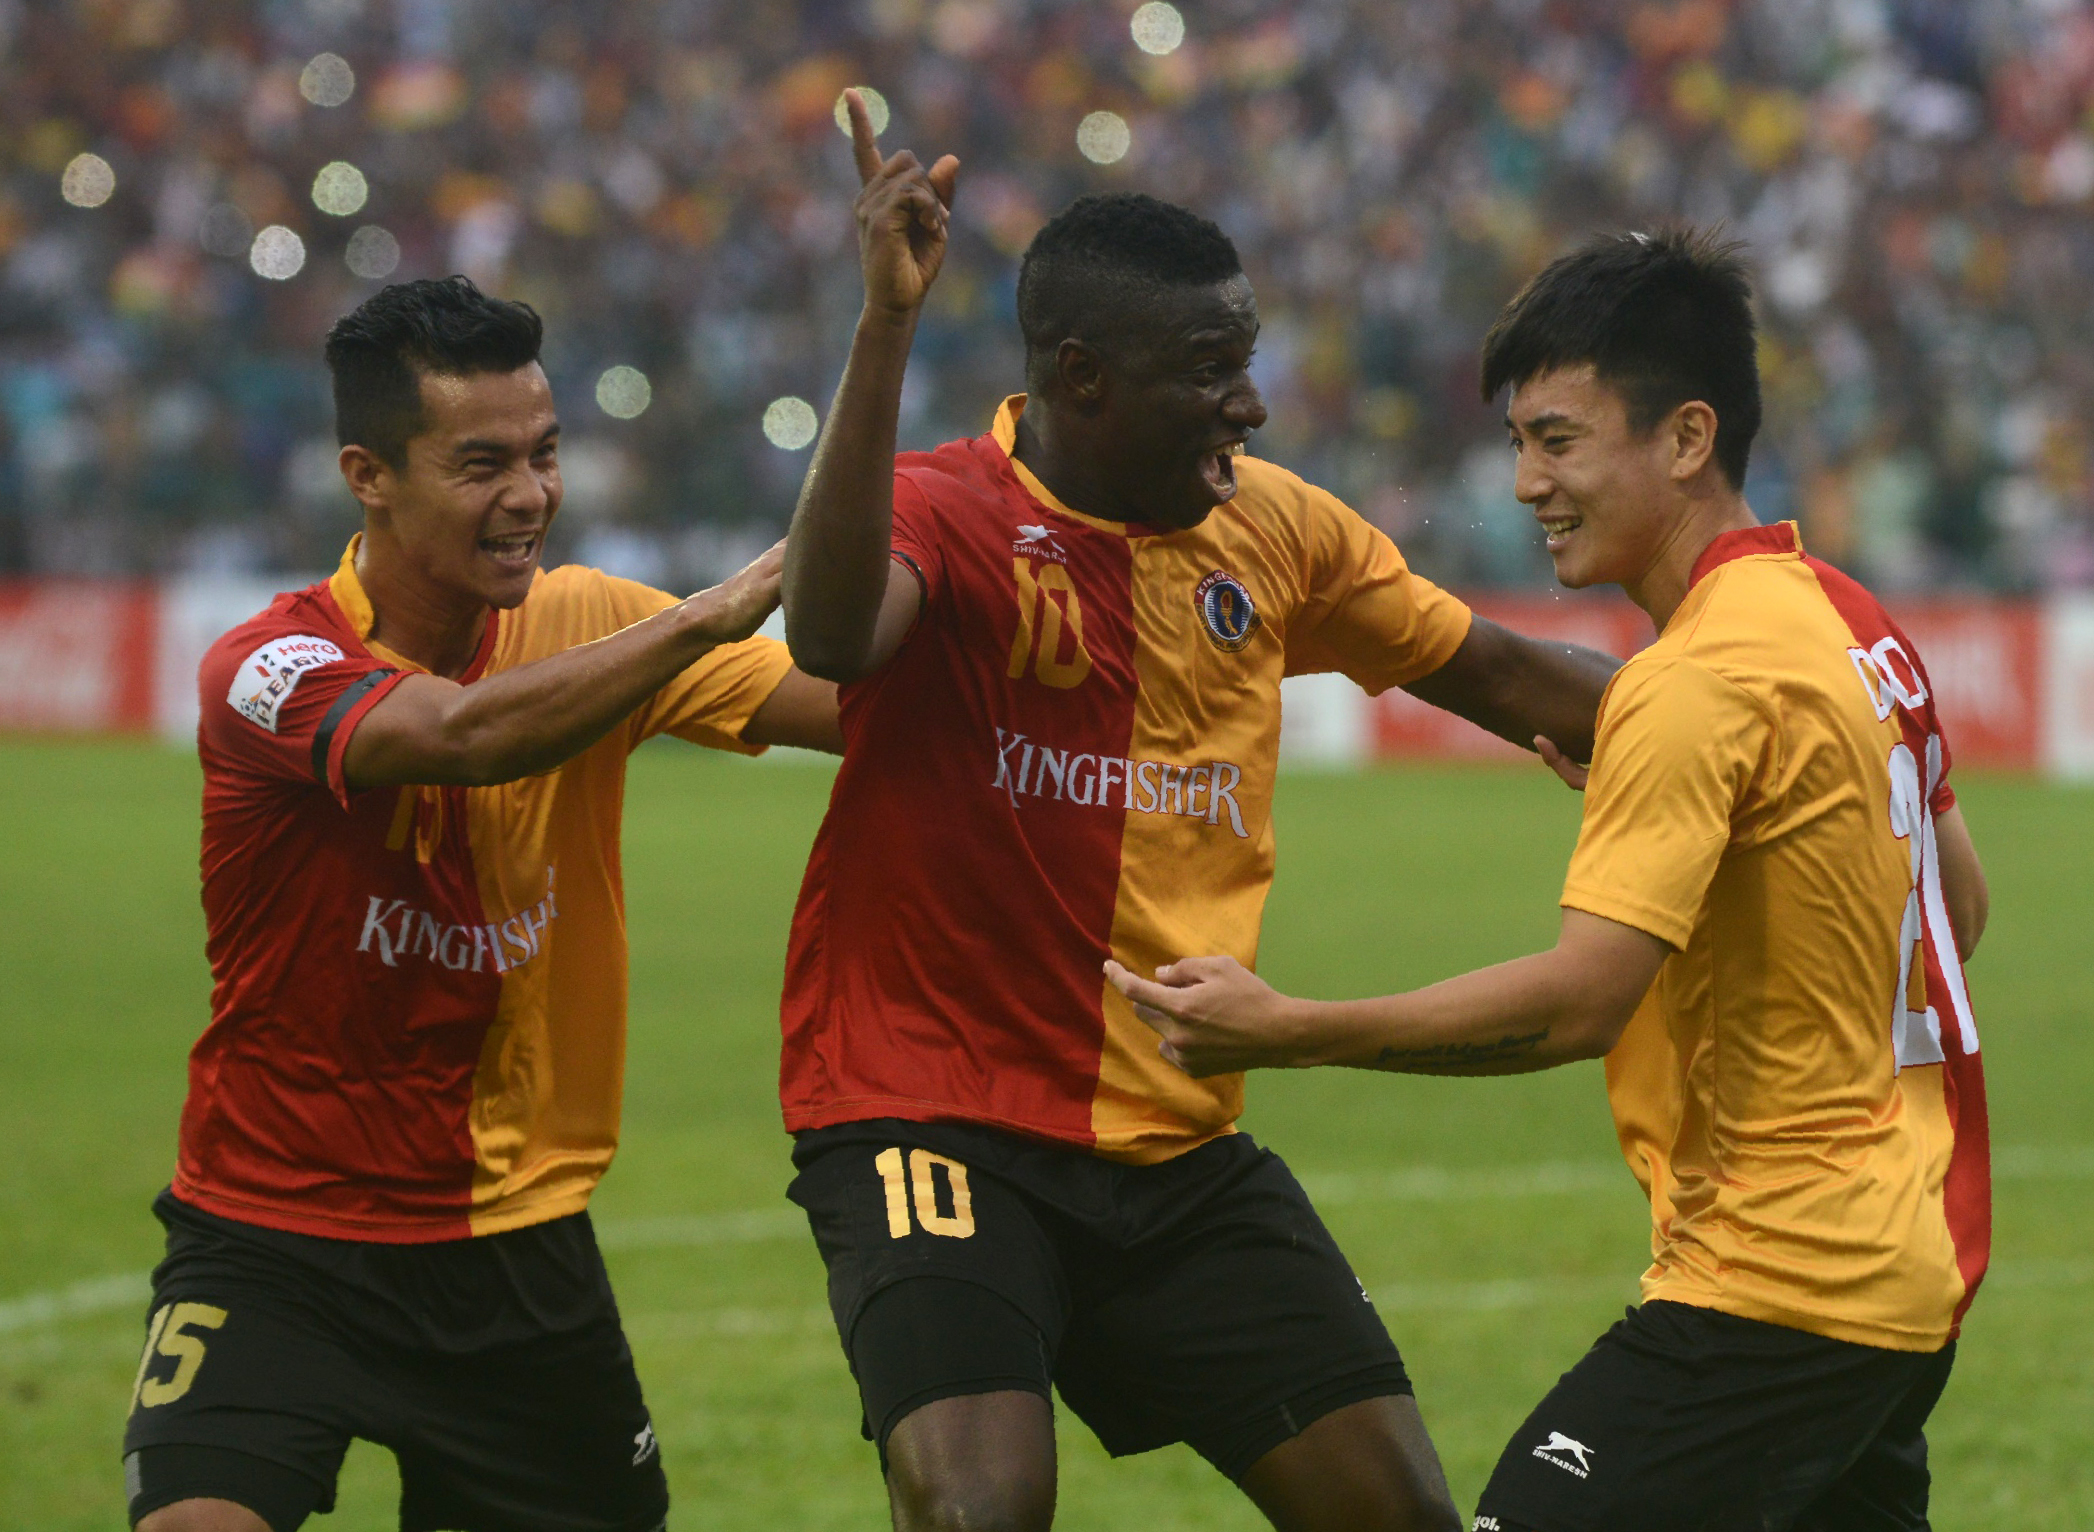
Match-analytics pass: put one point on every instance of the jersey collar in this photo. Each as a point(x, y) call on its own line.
point(349, 594)
point(1781, 540)
point(348, 591)
point(1005, 431)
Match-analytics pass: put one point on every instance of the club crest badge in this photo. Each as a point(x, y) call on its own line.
point(1226, 611)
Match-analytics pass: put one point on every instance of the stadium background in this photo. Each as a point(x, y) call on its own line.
point(666, 182)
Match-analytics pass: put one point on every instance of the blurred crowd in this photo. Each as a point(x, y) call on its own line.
point(192, 190)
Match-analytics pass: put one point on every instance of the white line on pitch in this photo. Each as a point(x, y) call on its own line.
point(96, 1295)
point(1418, 1183)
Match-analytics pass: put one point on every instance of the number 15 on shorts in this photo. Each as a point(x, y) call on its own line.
point(172, 1335)
point(921, 1186)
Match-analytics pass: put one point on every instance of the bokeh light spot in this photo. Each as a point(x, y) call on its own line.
point(372, 252)
point(790, 423)
point(1103, 138)
point(875, 108)
point(340, 189)
point(277, 253)
point(624, 393)
point(327, 80)
point(1158, 28)
point(88, 181)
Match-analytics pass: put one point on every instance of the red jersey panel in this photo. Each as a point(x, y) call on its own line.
point(1070, 757)
point(418, 1017)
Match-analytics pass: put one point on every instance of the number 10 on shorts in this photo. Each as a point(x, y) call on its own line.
point(922, 1182)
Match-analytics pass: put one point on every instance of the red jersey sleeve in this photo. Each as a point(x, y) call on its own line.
point(284, 704)
point(915, 541)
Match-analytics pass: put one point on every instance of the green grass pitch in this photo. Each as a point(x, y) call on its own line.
point(1491, 1219)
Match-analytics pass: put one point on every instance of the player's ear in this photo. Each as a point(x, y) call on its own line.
point(366, 473)
point(1079, 369)
point(1693, 438)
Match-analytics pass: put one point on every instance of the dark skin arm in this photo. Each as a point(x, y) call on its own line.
point(1217, 1017)
point(800, 711)
point(848, 605)
point(521, 722)
point(1519, 688)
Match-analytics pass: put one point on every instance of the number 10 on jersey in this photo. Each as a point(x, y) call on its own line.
point(922, 1182)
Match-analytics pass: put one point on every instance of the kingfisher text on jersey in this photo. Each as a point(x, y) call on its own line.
point(1205, 792)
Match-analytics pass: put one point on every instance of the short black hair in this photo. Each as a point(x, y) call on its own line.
point(1662, 317)
point(1098, 258)
point(379, 350)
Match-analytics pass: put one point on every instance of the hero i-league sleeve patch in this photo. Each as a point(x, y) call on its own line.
point(1226, 611)
point(269, 675)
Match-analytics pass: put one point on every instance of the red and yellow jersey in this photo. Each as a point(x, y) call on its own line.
point(1071, 757)
point(418, 1015)
point(1801, 1092)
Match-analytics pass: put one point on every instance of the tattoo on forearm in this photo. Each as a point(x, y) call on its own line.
point(1456, 1058)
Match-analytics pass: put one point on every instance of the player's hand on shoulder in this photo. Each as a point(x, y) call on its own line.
point(904, 213)
point(1214, 1016)
point(735, 608)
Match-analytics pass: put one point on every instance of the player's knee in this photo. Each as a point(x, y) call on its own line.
point(1001, 1499)
point(202, 1516)
point(975, 1463)
point(1006, 1490)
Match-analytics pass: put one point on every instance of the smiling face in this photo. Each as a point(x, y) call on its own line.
point(1176, 401)
point(469, 507)
point(1608, 497)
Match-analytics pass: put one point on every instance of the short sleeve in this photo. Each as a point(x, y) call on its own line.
point(285, 706)
point(914, 539)
point(712, 702)
point(1364, 614)
point(1678, 752)
point(709, 703)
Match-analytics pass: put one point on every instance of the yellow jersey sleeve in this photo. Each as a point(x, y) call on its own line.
point(1678, 753)
point(1363, 613)
point(711, 702)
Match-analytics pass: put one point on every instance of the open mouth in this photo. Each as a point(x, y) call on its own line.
point(1558, 530)
point(513, 550)
point(1218, 470)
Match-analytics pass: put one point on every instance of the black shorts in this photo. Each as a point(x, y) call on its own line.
point(1199, 1300)
point(494, 1368)
point(1683, 1419)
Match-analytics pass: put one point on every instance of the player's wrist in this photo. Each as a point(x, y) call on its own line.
point(884, 321)
point(703, 622)
point(1306, 1033)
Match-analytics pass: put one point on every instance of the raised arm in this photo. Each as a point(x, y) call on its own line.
point(1520, 688)
point(848, 606)
point(1215, 1016)
point(521, 722)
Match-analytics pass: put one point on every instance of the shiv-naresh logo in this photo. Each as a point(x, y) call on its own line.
point(1560, 1450)
point(1226, 611)
point(1038, 541)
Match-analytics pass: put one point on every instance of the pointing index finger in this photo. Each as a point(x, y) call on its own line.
point(865, 147)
